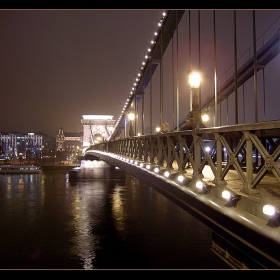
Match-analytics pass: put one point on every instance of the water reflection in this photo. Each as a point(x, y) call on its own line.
point(50, 223)
point(87, 205)
point(118, 207)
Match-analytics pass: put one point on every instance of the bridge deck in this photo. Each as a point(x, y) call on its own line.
point(241, 222)
point(268, 190)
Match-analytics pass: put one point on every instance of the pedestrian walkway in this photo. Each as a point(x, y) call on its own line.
point(268, 190)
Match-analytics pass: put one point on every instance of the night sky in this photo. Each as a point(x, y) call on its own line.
point(57, 65)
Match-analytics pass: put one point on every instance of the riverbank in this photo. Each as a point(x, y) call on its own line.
point(58, 168)
point(45, 166)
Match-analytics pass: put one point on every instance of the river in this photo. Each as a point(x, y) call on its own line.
point(48, 222)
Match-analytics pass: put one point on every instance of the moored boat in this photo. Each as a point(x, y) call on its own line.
point(19, 168)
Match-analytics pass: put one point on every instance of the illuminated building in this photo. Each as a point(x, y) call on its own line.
point(70, 143)
point(28, 145)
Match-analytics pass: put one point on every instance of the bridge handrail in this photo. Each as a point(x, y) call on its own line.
point(243, 148)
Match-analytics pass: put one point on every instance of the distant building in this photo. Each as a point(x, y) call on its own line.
point(70, 143)
point(27, 145)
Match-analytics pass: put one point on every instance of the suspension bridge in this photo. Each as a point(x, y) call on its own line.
point(224, 171)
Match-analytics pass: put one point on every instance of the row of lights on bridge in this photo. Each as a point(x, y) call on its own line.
point(194, 80)
point(202, 187)
point(141, 68)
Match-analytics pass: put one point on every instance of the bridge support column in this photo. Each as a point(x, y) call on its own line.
point(219, 149)
point(197, 158)
point(181, 167)
point(247, 185)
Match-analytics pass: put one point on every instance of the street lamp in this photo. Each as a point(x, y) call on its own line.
point(131, 117)
point(195, 117)
point(205, 118)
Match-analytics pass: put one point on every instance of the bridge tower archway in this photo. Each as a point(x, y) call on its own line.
point(96, 128)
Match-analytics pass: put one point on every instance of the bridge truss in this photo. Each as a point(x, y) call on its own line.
point(239, 158)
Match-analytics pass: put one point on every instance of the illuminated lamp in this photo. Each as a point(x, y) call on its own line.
point(231, 198)
point(158, 129)
point(270, 210)
point(207, 149)
point(156, 169)
point(205, 118)
point(181, 178)
point(167, 174)
point(131, 117)
point(148, 166)
point(200, 185)
point(274, 215)
point(195, 115)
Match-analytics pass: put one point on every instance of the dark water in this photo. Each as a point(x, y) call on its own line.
point(51, 223)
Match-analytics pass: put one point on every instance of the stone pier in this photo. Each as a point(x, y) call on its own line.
point(96, 169)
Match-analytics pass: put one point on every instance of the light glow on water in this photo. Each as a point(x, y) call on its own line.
point(53, 223)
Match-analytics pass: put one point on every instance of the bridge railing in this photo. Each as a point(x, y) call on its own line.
point(252, 150)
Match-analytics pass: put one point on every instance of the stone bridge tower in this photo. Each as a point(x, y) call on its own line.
point(97, 128)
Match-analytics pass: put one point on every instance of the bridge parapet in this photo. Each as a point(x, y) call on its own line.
point(224, 159)
point(251, 150)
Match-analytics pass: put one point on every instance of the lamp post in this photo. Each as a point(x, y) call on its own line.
point(131, 117)
point(205, 118)
point(195, 117)
point(157, 129)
